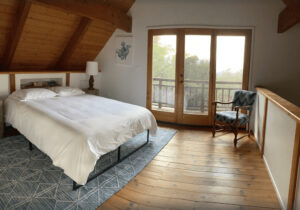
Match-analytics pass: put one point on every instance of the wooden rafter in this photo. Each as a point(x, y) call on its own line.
point(290, 16)
point(287, 2)
point(74, 41)
point(16, 32)
point(12, 83)
point(67, 79)
point(93, 10)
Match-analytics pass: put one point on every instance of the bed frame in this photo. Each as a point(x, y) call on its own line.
point(120, 159)
point(44, 83)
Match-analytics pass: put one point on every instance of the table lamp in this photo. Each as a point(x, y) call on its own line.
point(92, 70)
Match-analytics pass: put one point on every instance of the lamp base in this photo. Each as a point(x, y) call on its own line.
point(91, 83)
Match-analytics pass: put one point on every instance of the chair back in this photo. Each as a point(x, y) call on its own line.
point(243, 98)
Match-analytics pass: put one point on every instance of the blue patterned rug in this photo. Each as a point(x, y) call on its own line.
point(28, 180)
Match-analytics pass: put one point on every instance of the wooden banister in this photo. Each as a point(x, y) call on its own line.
point(294, 112)
point(291, 109)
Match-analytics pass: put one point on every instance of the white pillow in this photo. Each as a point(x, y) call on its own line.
point(33, 93)
point(67, 91)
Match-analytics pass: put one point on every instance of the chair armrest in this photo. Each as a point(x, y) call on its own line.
point(242, 107)
point(214, 103)
point(218, 102)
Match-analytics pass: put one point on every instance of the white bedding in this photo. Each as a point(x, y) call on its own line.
point(76, 130)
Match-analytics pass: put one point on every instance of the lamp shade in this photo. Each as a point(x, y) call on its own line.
point(92, 68)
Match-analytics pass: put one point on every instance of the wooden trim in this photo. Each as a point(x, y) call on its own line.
point(16, 32)
point(294, 169)
point(93, 10)
point(247, 59)
point(12, 83)
point(67, 79)
point(197, 31)
point(149, 70)
point(42, 71)
point(286, 106)
point(289, 17)
point(74, 42)
point(212, 84)
point(264, 127)
point(164, 31)
point(247, 51)
point(162, 116)
point(179, 86)
point(233, 32)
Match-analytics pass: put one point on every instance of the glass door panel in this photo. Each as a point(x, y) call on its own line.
point(188, 68)
point(196, 74)
point(229, 68)
point(163, 72)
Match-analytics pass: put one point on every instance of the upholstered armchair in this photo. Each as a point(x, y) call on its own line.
point(242, 100)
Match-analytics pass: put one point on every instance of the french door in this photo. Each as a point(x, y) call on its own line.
point(189, 68)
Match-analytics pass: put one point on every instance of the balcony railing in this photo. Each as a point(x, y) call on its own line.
point(195, 93)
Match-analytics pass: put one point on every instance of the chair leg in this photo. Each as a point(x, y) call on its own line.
point(235, 131)
point(214, 128)
point(248, 129)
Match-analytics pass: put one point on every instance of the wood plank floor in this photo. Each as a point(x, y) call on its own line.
point(196, 171)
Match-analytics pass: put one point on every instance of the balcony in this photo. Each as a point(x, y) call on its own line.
point(196, 93)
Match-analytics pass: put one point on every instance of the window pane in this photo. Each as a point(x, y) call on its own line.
point(229, 68)
point(196, 74)
point(163, 72)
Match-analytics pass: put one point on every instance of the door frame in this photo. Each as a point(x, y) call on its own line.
point(188, 118)
point(161, 116)
point(177, 116)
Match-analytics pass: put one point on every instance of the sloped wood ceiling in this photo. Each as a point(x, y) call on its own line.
point(56, 34)
point(290, 16)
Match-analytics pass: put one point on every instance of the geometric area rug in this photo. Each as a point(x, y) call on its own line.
point(29, 180)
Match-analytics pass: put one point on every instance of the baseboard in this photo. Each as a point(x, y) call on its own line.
point(274, 184)
point(255, 139)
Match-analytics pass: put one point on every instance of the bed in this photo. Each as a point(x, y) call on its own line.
point(75, 131)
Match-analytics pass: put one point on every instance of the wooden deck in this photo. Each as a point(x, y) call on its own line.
point(196, 171)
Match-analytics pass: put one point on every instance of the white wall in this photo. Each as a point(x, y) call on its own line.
point(275, 61)
point(76, 80)
point(4, 85)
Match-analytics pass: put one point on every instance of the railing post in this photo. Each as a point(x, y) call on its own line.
point(202, 97)
point(159, 92)
point(222, 94)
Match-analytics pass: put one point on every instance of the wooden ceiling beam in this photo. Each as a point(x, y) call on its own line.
point(74, 42)
point(289, 17)
point(42, 71)
point(93, 10)
point(16, 32)
point(287, 2)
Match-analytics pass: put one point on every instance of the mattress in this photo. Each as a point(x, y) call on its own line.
point(75, 131)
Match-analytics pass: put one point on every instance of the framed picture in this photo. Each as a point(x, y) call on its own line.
point(124, 50)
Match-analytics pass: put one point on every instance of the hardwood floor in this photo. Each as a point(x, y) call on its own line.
point(196, 171)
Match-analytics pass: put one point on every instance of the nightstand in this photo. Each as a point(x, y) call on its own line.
point(92, 92)
point(1, 118)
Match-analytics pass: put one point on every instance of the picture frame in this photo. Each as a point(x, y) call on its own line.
point(123, 50)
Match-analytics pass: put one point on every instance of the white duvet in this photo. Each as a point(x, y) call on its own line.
point(76, 130)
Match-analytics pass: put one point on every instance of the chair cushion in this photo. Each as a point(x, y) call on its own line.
point(243, 98)
point(229, 117)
